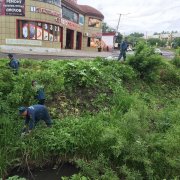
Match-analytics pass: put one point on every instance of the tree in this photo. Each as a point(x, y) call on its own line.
point(106, 28)
point(156, 42)
point(176, 42)
point(119, 38)
point(136, 34)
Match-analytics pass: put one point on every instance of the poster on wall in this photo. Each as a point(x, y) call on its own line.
point(13, 7)
point(95, 42)
point(94, 23)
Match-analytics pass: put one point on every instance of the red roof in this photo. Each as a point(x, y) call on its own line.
point(109, 34)
point(91, 11)
point(84, 9)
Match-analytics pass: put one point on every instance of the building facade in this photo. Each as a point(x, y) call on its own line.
point(61, 24)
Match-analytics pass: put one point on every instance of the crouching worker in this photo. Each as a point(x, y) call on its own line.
point(13, 64)
point(39, 92)
point(33, 115)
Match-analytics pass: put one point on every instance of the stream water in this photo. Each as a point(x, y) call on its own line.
point(48, 173)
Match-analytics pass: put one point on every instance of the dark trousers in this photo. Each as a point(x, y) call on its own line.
point(122, 54)
point(41, 101)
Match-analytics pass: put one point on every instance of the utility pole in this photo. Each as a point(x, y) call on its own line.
point(116, 32)
point(120, 20)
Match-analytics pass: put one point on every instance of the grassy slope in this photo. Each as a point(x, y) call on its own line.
point(107, 120)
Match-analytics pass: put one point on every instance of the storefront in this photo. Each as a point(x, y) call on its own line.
point(51, 24)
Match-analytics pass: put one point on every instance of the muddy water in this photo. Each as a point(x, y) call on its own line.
point(48, 173)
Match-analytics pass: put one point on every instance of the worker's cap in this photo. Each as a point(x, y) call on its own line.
point(21, 109)
point(10, 55)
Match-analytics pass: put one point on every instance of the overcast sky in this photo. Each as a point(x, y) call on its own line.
point(144, 15)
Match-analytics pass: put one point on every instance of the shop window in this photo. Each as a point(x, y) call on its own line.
point(56, 33)
point(51, 32)
point(25, 31)
point(32, 30)
point(38, 31)
point(46, 32)
point(88, 42)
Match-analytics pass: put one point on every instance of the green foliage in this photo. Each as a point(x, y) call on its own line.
point(176, 43)
point(157, 42)
point(145, 62)
point(176, 59)
point(107, 121)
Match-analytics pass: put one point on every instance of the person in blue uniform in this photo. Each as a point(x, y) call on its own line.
point(39, 92)
point(123, 49)
point(14, 63)
point(33, 115)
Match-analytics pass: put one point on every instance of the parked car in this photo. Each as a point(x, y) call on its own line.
point(158, 51)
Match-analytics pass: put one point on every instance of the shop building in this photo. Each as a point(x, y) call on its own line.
point(60, 24)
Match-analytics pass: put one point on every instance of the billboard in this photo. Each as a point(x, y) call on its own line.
point(12, 7)
point(94, 22)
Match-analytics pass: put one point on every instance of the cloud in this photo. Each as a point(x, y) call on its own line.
point(149, 15)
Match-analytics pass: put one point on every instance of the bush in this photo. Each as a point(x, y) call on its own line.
point(145, 62)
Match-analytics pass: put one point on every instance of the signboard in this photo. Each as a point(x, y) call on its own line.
point(45, 11)
point(12, 7)
point(23, 42)
point(67, 23)
point(94, 22)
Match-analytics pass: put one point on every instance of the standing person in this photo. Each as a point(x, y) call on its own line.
point(14, 63)
point(123, 49)
point(39, 90)
point(33, 115)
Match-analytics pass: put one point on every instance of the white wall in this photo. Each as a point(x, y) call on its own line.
point(108, 40)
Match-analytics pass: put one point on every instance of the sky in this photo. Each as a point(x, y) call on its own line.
point(143, 16)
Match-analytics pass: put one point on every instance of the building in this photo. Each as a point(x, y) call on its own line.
point(50, 24)
point(108, 40)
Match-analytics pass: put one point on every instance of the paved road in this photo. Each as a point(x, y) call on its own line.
point(168, 54)
point(43, 57)
point(113, 55)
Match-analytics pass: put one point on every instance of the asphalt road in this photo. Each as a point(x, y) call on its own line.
point(43, 57)
point(168, 54)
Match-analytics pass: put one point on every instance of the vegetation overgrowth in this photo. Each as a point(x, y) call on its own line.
point(112, 120)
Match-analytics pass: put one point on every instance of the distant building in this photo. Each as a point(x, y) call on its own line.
point(50, 23)
point(108, 40)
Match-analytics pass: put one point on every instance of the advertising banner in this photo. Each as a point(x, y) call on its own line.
point(94, 23)
point(13, 7)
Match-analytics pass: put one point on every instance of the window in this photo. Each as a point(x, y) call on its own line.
point(81, 19)
point(88, 42)
point(46, 32)
point(25, 31)
point(69, 15)
point(32, 30)
point(56, 33)
point(38, 31)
